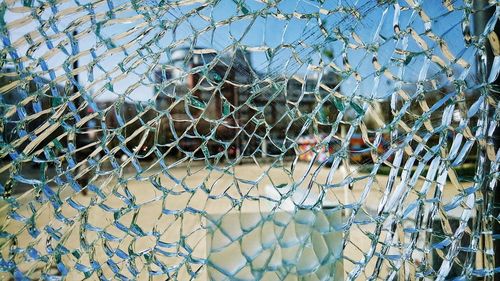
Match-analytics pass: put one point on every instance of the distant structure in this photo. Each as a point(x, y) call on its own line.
point(229, 81)
point(212, 87)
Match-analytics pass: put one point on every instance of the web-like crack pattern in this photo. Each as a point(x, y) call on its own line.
point(248, 140)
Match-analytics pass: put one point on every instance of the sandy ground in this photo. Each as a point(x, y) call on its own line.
point(168, 218)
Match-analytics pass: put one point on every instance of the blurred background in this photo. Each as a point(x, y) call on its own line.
point(248, 140)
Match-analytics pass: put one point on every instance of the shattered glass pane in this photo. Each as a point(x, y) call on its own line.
point(249, 140)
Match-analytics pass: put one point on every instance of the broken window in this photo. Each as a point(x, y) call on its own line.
point(229, 139)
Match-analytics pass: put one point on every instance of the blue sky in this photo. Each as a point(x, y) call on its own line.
point(375, 30)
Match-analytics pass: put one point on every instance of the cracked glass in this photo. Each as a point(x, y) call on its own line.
point(249, 140)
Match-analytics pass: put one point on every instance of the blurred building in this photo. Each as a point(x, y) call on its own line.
point(199, 85)
point(290, 106)
point(197, 92)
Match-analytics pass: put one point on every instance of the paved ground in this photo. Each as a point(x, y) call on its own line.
point(187, 197)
